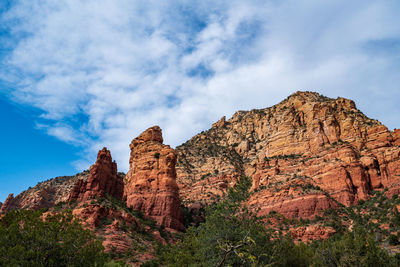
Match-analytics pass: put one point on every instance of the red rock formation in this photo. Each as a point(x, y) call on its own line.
point(46, 194)
point(396, 137)
point(303, 155)
point(103, 180)
point(9, 204)
point(312, 232)
point(92, 214)
point(114, 238)
point(151, 181)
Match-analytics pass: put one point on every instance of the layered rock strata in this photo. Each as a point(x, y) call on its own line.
point(151, 181)
point(103, 180)
point(304, 155)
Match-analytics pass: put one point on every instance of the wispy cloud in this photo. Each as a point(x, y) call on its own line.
point(103, 71)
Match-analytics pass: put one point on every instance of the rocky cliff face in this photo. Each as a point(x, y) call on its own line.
point(305, 154)
point(103, 180)
point(151, 181)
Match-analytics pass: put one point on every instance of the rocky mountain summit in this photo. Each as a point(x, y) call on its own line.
point(304, 155)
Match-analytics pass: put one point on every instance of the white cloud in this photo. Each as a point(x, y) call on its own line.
point(103, 71)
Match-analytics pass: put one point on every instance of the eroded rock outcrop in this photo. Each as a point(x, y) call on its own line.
point(304, 155)
point(151, 181)
point(311, 232)
point(9, 204)
point(103, 180)
point(45, 194)
point(110, 221)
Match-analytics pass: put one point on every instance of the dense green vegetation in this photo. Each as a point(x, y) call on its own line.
point(27, 239)
point(233, 236)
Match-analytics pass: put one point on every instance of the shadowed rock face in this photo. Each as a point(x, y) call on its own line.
point(151, 181)
point(304, 155)
point(103, 180)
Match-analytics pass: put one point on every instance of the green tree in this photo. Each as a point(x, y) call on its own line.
point(356, 248)
point(233, 236)
point(28, 239)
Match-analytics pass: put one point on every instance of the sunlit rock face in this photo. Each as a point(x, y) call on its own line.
point(150, 184)
point(304, 155)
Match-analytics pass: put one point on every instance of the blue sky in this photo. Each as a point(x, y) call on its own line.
point(79, 75)
point(29, 156)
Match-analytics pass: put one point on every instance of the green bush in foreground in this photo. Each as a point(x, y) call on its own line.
point(28, 240)
point(356, 248)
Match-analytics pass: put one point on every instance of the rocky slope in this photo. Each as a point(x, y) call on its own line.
point(305, 154)
point(53, 191)
point(45, 194)
point(151, 181)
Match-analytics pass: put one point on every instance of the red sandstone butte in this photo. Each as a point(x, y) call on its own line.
point(103, 180)
point(151, 180)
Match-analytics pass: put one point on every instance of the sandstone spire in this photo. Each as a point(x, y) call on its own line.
point(103, 180)
point(151, 181)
